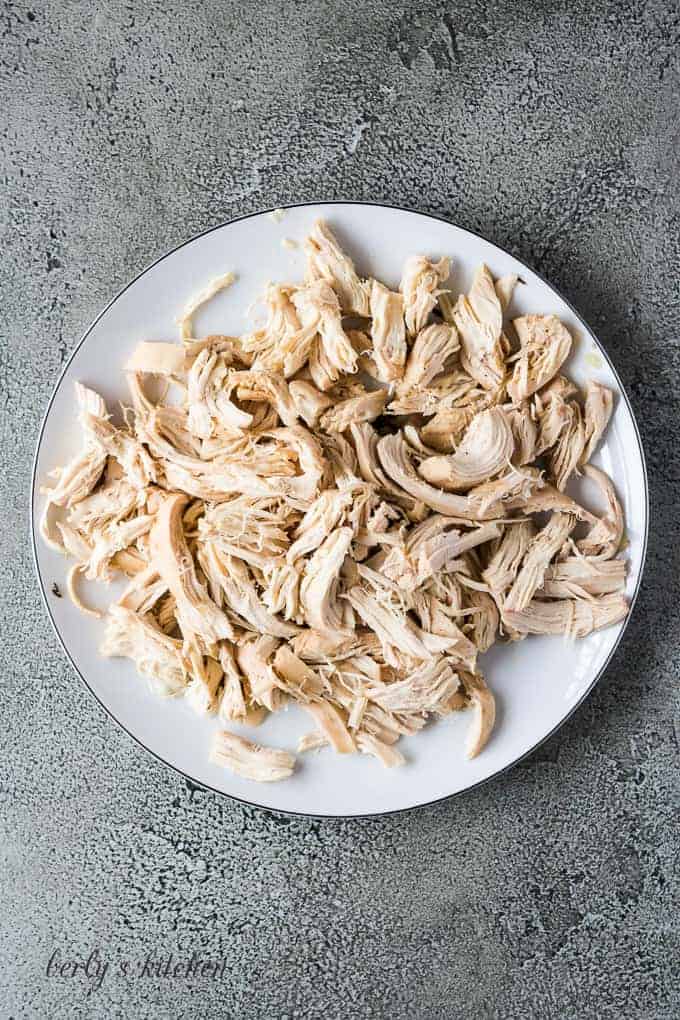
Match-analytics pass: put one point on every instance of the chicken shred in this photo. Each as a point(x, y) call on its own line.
point(420, 286)
point(342, 518)
point(388, 332)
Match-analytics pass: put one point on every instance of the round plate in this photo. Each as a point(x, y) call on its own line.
point(538, 682)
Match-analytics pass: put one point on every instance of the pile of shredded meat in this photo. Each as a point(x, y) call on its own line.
point(344, 507)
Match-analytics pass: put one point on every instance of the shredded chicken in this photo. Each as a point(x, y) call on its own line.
point(479, 318)
point(420, 286)
point(545, 344)
point(485, 449)
point(249, 760)
point(388, 332)
point(339, 518)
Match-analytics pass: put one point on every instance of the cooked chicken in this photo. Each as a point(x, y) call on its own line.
point(254, 661)
point(185, 321)
point(318, 588)
point(446, 429)
point(484, 705)
point(354, 570)
point(249, 760)
point(431, 349)
point(443, 394)
point(326, 261)
point(486, 448)
point(366, 407)
point(233, 587)
point(388, 332)
point(599, 407)
point(232, 706)
point(275, 347)
point(170, 555)
point(542, 549)
point(394, 457)
point(505, 288)
point(420, 286)
point(604, 538)
point(580, 576)
point(568, 450)
point(157, 359)
point(545, 345)
point(479, 318)
point(546, 498)
point(484, 618)
point(309, 402)
point(331, 354)
point(430, 547)
point(155, 655)
point(575, 617)
point(518, 487)
point(525, 433)
point(502, 568)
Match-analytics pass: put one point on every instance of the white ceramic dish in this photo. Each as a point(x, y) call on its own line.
point(538, 683)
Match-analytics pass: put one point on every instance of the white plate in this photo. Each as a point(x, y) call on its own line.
point(537, 682)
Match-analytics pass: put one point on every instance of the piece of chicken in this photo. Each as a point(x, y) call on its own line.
point(420, 286)
point(252, 385)
point(319, 585)
point(567, 453)
point(431, 349)
point(446, 429)
point(542, 549)
point(524, 432)
point(388, 332)
point(366, 407)
point(516, 487)
point(327, 261)
point(254, 659)
point(386, 755)
point(234, 587)
point(274, 348)
point(575, 617)
point(486, 448)
point(502, 568)
point(430, 547)
point(310, 403)
point(80, 476)
point(395, 631)
point(484, 706)
point(232, 706)
point(598, 411)
point(484, 619)
point(331, 353)
point(249, 760)
point(479, 319)
point(155, 655)
point(545, 344)
point(170, 556)
point(365, 440)
point(139, 468)
point(442, 394)
point(394, 457)
point(157, 358)
point(603, 541)
point(428, 688)
point(217, 284)
point(580, 576)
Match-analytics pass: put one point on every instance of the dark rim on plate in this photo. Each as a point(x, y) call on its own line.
point(304, 814)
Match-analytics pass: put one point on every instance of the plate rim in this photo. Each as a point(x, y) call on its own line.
point(252, 803)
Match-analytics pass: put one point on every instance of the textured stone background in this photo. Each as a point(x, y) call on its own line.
point(551, 128)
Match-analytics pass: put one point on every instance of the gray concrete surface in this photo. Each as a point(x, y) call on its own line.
point(551, 128)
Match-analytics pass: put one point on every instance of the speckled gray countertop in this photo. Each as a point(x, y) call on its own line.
point(550, 128)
